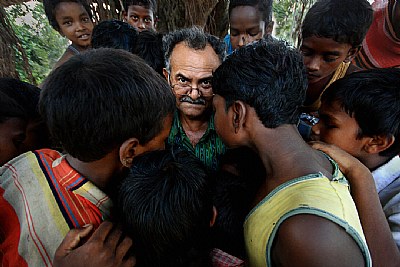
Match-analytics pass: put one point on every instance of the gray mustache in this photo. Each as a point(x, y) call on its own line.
point(198, 101)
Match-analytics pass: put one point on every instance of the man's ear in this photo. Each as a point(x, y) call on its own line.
point(127, 151)
point(352, 53)
point(239, 114)
point(378, 143)
point(214, 216)
point(165, 72)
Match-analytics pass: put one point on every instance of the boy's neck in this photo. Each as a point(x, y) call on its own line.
point(375, 161)
point(286, 156)
point(80, 48)
point(314, 90)
point(99, 172)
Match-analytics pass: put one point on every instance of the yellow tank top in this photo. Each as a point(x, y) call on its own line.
point(312, 194)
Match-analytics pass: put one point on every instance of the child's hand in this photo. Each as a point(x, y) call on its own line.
point(102, 249)
point(351, 167)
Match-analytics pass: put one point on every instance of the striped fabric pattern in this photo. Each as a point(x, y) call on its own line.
point(381, 47)
point(41, 198)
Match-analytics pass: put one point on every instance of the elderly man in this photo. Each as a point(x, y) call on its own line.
point(191, 58)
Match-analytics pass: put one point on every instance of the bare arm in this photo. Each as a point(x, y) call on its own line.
point(384, 251)
point(309, 240)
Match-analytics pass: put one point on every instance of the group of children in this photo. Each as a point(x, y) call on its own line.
point(292, 201)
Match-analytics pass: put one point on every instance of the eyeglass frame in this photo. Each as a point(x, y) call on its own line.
point(190, 89)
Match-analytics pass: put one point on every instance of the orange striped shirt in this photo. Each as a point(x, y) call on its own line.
point(41, 198)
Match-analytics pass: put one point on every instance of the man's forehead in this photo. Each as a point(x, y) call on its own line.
point(183, 56)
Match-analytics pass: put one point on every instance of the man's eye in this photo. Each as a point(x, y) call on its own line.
point(182, 80)
point(206, 84)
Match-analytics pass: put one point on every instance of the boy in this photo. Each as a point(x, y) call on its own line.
point(165, 205)
point(249, 21)
point(21, 126)
point(361, 114)
point(331, 35)
point(303, 213)
point(149, 46)
point(73, 20)
point(140, 14)
point(104, 107)
point(114, 34)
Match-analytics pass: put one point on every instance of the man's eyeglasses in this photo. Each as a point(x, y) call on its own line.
point(184, 87)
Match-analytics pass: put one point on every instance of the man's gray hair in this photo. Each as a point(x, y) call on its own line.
point(193, 37)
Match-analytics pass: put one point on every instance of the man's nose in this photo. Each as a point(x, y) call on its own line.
point(194, 93)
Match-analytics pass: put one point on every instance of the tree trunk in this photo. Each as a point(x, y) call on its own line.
point(208, 14)
point(9, 44)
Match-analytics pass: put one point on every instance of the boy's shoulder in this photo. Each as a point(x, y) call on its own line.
point(311, 240)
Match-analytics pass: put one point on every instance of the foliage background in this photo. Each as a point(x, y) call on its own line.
point(42, 45)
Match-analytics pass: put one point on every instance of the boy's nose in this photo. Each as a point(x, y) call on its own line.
point(313, 64)
point(242, 40)
point(315, 132)
point(142, 25)
point(80, 27)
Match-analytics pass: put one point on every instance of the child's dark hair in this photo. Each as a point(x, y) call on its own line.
point(345, 21)
point(237, 182)
point(165, 206)
point(99, 99)
point(114, 34)
point(18, 100)
point(149, 46)
point(148, 4)
point(50, 10)
point(264, 7)
point(372, 97)
point(269, 75)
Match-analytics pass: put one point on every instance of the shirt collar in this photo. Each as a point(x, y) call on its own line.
point(76, 183)
point(387, 173)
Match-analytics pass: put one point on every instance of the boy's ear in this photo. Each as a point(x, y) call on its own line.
point(379, 143)
point(124, 16)
point(239, 115)
point(269, 28)
point(128, 150)
point(352, 53)
point(214, 216)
